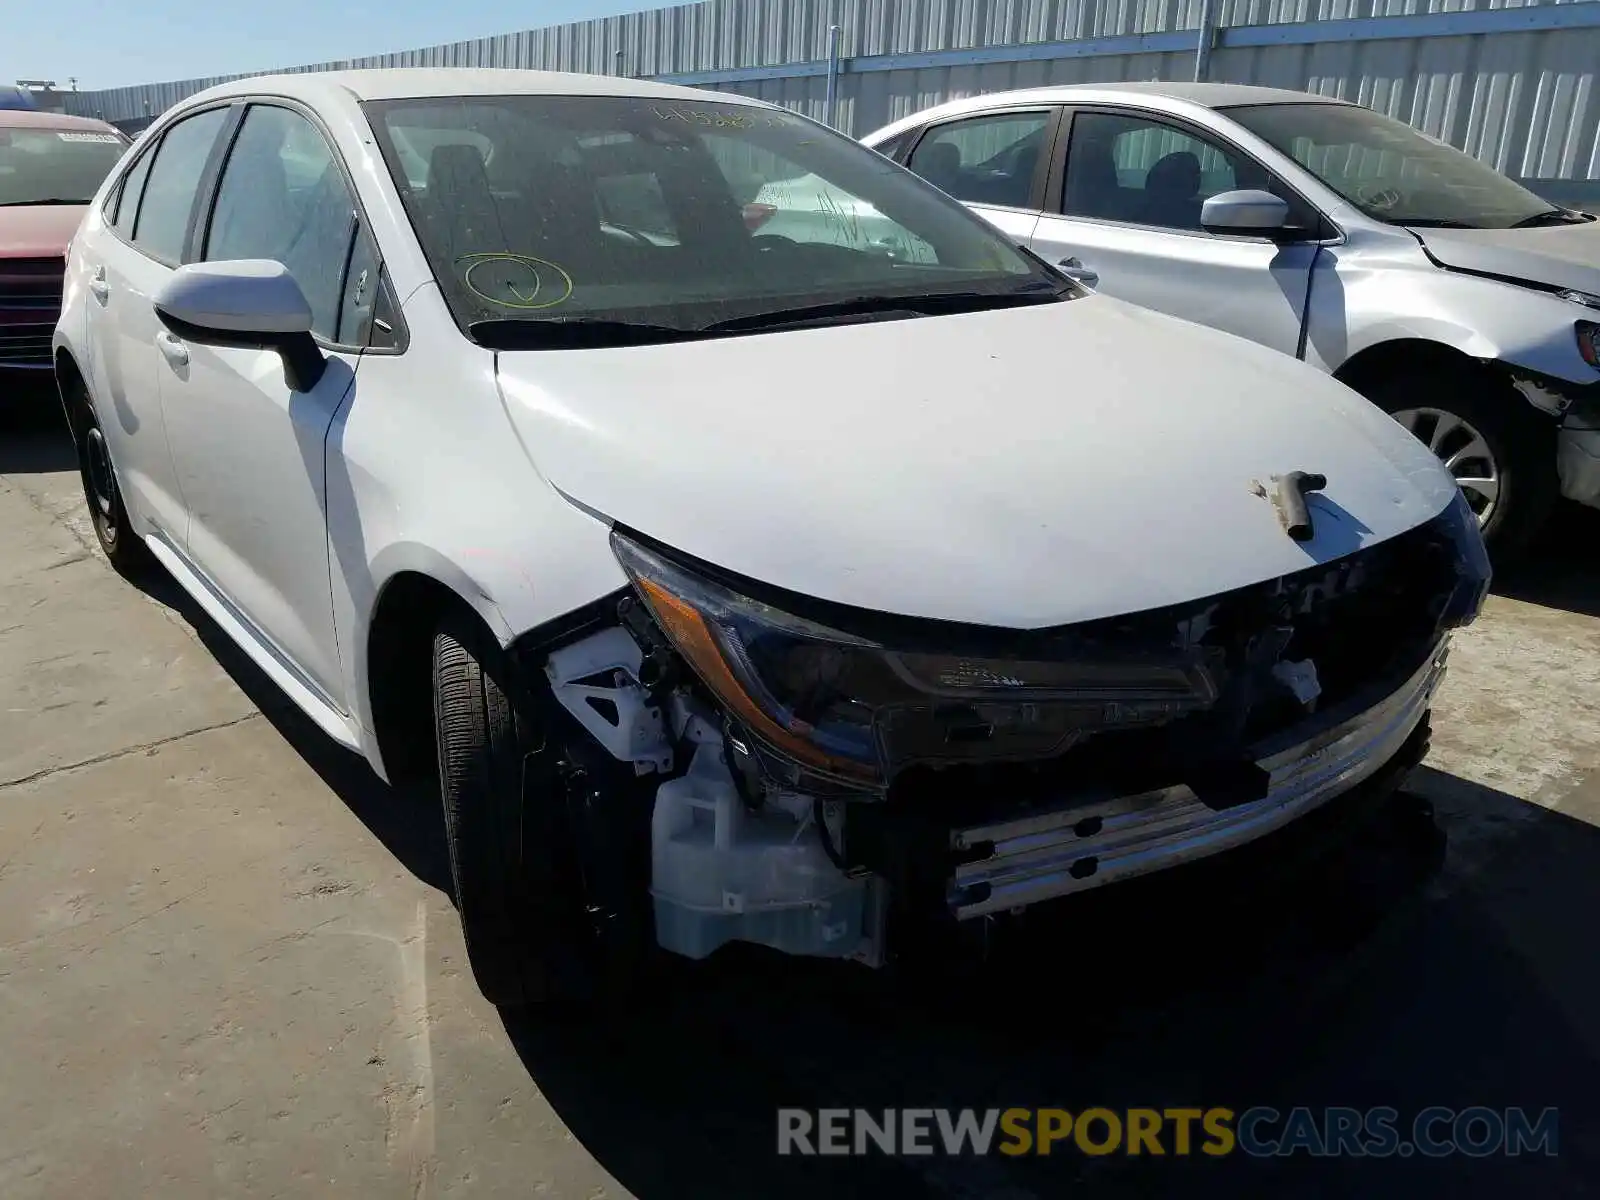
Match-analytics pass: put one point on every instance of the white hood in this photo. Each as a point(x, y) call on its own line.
point(1019, 468)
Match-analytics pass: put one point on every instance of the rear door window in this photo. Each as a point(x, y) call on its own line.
point(129, 194)
point(992, 159)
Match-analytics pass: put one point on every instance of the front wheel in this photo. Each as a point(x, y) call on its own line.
point(546, 890)
point(505, 842)
point(1500, 453)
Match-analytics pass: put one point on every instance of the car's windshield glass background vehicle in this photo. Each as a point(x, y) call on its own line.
point(55, 166)
point(624, 210)
point(1389, 170)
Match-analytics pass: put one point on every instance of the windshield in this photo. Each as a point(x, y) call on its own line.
point(1389, 170)
point(55, 166)
point(675, 216)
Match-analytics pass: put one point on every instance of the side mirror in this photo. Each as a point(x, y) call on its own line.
point(1248, 212)
point(250, 303)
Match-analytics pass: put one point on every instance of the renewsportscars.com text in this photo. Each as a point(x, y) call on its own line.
point(1260, 1132)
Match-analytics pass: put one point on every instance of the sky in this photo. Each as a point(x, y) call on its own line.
point(110, 43)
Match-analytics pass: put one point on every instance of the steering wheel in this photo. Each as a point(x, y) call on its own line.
point(771, 241)
point(1377, 196)
point(633, 234)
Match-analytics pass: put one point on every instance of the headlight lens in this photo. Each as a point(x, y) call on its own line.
point(779, 675)
point(851, 710)
point(1473, 572)
point(1589, 342)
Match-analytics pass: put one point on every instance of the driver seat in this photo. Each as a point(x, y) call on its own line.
point(462, 209)
point(1172, 192)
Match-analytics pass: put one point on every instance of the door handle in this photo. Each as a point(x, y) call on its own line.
point(99, 286)
point(1073, 268)
point(176, 352)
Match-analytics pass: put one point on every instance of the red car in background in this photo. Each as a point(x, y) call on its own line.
point(50, 168)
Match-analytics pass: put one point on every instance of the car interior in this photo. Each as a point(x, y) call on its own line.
point(1004, 178)
point(1106, 178)
point(306, 228)
point(608, 209)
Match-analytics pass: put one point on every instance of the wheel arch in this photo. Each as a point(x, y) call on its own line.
point(73, 389)
point(1496, 399)
point(1387, 358)
point(395, 656)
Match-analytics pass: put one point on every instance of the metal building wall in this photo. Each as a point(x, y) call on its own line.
point(1511, 83)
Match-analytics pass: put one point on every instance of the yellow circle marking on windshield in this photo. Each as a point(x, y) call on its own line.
point(528, 302)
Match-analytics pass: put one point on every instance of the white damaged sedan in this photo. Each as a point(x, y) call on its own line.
point(734, 586)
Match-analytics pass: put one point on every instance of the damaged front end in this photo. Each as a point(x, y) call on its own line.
point(828, 773)
point(1576, 410)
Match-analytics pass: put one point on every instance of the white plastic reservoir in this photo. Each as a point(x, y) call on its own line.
point(722, 873)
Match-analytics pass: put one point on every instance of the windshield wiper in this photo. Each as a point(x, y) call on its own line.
point(1550, 216)
point(35, 203)
point(1434, 223)
point(578, 333)
point(927, 305)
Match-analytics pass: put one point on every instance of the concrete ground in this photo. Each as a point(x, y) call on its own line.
point(229, 965)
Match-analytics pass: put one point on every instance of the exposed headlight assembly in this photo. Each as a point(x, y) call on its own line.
point(1588, 334)
point(849, 711)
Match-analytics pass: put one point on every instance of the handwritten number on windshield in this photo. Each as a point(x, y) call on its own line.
point(712, 119)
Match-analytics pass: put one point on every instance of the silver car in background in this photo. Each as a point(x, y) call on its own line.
point(1447, 294)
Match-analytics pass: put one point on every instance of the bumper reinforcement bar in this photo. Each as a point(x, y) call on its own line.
point(1083, 846)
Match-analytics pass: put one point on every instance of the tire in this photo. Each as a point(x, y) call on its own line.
point(503, 849)
point(535, 874)
point(1521, 447)
point(123, 548)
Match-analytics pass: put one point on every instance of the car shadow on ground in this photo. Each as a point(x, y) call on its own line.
point(1562, 570)
point(34, 440)
point(1372, 982)
point(33, 429)
point(405, 820)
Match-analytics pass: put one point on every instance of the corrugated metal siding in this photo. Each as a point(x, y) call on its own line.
point(1525, 102)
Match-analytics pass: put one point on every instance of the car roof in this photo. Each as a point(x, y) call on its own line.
point(1211, 95)
point(28, 118)
point(405, 83)
point(1204, 95)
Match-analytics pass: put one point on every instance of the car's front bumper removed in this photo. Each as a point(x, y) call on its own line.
point(1084, 846)
point(1578, 452)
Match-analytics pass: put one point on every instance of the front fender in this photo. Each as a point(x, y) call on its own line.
point(1485, 319)
point(426, 476)
point(468, 582)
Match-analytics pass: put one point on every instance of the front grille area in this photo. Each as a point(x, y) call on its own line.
point(31, 283)
point(1366, 620)
point(25, 345)
point(972, 838)
point(30, 303)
